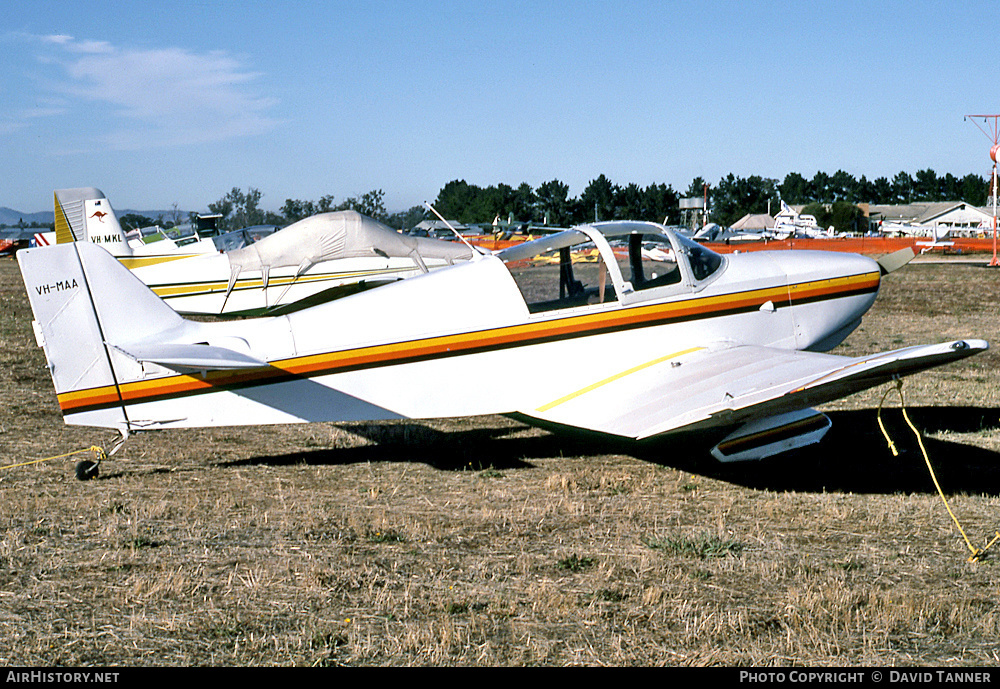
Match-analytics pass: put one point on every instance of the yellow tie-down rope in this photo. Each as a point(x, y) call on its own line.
point(977, 553)
point(98, 452)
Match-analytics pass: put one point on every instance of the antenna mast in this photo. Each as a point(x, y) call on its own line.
point(450, 227)
point(992, 132)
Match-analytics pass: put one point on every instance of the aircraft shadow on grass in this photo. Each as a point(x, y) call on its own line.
point(478, 448)
point(853, 457)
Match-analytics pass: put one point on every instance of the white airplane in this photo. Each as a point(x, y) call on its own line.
point(788, 223)
point(904, 229)
point(12, 239)
point(728, 345)
point(313, 260)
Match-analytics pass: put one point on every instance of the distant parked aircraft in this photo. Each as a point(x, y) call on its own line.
point(321, 257)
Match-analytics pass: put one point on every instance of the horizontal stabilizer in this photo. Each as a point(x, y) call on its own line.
point(199, 357)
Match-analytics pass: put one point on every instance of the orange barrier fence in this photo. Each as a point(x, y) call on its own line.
point(864, 245)
point(858, 245)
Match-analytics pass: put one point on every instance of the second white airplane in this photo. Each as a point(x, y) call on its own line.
point(313, 260)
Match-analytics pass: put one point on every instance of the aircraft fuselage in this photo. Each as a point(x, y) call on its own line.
point(462, 341)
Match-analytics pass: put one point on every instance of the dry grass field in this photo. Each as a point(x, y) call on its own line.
point(480, 541)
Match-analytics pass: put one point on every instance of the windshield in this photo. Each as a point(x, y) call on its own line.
point(704, 262)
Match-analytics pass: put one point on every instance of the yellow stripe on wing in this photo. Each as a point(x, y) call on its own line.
point(617, 376)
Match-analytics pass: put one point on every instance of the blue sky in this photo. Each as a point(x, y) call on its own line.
point(166, 102)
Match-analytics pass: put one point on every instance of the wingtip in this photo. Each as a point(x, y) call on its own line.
point(970, 344)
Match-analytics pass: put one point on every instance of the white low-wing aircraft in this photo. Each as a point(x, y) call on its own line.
point(315, 259)
point(616, 343)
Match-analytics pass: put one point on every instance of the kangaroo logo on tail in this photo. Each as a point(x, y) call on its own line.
point(85, 214)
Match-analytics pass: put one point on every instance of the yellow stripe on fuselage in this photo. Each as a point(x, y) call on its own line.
point(182, 289)
point(100, 395)
point(133, 262)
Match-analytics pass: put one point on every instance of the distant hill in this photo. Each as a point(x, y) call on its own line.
point(10, 217)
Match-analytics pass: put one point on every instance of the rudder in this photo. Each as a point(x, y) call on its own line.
point(82, 298)
point(86, 215)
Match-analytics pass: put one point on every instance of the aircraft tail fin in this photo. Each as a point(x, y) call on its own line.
point(84, 303)
point(86, 215)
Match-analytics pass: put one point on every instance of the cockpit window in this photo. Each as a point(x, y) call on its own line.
point(568, 269)
point(648, 261)
point(563, 278)
point(704, 262)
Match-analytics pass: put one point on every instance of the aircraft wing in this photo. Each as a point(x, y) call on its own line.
point(726, 384)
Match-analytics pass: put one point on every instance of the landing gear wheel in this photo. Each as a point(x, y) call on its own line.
point(86, 470)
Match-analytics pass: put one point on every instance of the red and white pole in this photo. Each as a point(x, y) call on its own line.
point(992, 132)
point(993, 154)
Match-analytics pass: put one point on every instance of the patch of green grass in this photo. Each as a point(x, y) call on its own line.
point(704, 546)
point(328, 640)
point(575, 563)
point(224, 632)
point(143, 542)
point(385, 536)
point(850, 565)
